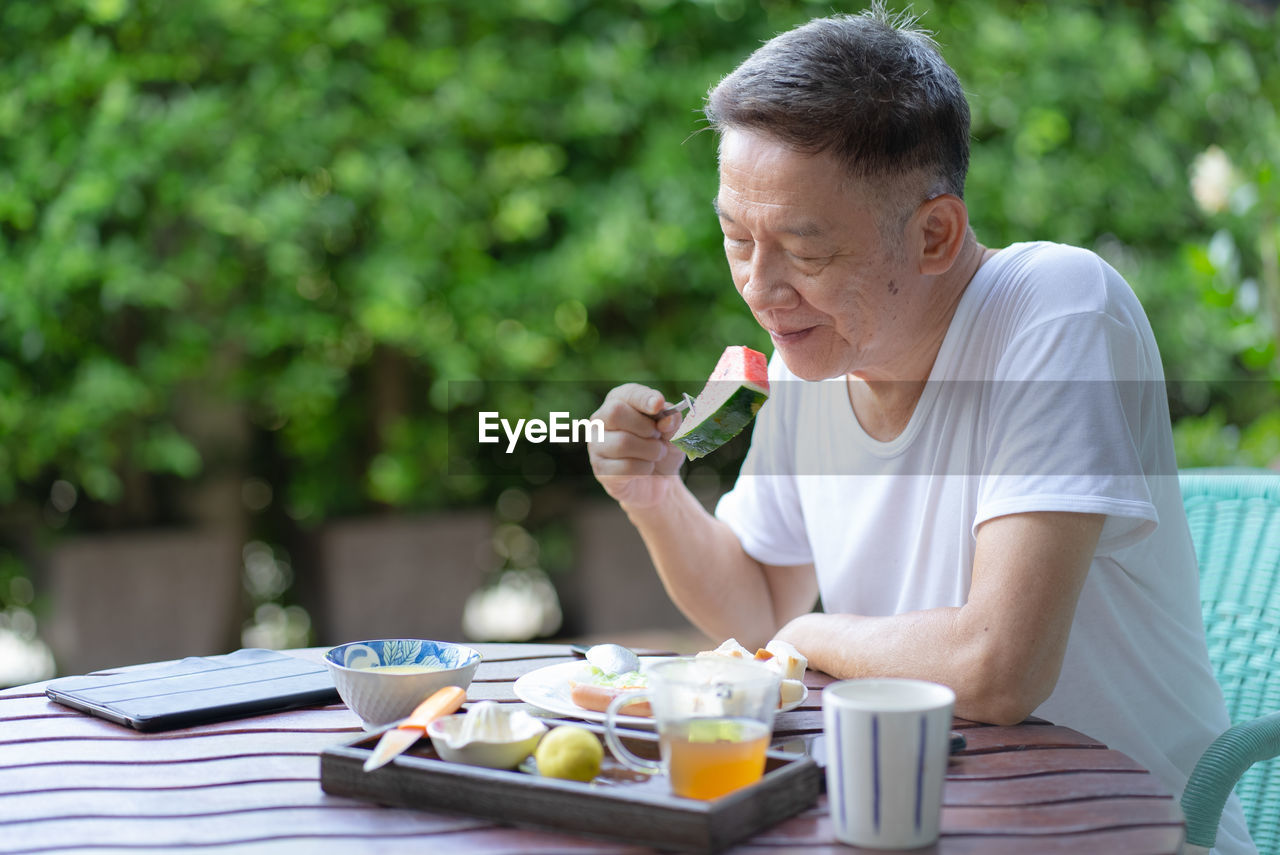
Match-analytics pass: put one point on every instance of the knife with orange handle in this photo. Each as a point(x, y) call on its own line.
point(397, 740)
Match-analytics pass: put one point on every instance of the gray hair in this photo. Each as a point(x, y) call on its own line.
point(870, 89)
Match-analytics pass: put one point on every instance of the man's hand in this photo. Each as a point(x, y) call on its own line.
point(635, 463)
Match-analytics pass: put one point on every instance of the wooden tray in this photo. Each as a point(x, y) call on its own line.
point(618, 805)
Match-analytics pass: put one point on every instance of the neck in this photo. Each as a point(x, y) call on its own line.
point(883, 402)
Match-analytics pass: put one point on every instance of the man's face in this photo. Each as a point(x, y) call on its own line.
point(806, 256)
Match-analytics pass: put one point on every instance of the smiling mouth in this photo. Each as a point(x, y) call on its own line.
point(788, 337)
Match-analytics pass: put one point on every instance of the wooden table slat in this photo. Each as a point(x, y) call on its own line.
point(1019, 762)
point(96, 782)
point(511, 670)
point(979, 740)
point(1044, 789)
point(126, 750)
point(166, 799)
point(318, 820)
point(798, 721)
point(1120, 841)
point(56, 722)
point(1073, 822)
point(1062, 817)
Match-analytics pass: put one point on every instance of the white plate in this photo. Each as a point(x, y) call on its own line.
point(548, 689)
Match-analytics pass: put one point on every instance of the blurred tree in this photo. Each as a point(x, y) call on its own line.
point(1091, 124)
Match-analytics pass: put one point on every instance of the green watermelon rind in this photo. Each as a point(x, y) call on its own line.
point(703, 436)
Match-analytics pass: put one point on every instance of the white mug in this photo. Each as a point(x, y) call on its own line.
point(888, 743)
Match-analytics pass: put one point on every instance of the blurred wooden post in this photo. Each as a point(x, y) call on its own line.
point(401, 577)
point(121, 599)
point(613, 587)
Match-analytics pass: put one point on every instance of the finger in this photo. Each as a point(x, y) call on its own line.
point(621, 468)
point(668, 425)
point(672, 459)
point(646, 400)
point(643, 399)
point(619, 412)
point(627, 446)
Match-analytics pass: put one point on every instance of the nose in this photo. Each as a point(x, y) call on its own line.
point(762, 281)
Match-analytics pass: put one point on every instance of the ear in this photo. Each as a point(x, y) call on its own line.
point(941, 224)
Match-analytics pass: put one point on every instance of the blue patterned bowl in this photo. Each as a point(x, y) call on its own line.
point(381, 696)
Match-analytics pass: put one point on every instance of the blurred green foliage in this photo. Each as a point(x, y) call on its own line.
point(1150, 133)
point(319, 214)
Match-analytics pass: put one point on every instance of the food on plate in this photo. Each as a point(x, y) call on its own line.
point(569, 752)
point(789, 662)
point(790, 692)
point(598, 689)
point(780, 656)
point(730, 648)
point(735, 392)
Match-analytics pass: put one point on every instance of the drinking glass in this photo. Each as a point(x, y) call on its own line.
point(714, 718)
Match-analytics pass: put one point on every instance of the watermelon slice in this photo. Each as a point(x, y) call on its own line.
point(735, 392)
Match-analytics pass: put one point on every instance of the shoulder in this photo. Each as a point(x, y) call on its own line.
point(1065, 301)
point(1040, 298)
point(1046, 256)
point(1050, 280)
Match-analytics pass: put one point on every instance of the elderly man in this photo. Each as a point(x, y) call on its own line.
point(967, 454)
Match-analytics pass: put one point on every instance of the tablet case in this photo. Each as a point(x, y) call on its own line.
point(199, 690)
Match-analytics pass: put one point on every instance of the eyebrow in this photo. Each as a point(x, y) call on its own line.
point(804, 229)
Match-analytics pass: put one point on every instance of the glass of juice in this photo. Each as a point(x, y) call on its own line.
point(714, 717)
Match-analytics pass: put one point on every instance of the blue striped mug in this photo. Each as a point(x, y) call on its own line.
point(888, 742)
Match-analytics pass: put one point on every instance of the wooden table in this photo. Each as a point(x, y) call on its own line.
point(69, 782)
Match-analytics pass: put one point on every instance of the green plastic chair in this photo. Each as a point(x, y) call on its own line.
point(1235, 524)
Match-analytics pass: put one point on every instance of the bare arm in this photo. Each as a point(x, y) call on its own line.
point(724, 591)
point(707, 574)
point(1002, 650)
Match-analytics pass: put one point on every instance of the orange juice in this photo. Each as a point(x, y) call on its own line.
point(708, 757)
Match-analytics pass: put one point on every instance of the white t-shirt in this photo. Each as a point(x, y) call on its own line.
point(1047, 395)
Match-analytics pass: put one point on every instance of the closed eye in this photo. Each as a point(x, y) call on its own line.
point(812, 262)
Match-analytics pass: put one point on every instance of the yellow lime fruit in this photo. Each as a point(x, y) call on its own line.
point(569, 752)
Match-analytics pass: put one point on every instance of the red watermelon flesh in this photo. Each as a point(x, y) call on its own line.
point(736, 390)
point(744, 365)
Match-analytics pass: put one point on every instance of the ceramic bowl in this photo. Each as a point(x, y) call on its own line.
point(524, 731)
point(381, 697)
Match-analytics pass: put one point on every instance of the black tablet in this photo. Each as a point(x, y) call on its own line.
point(199, 690)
